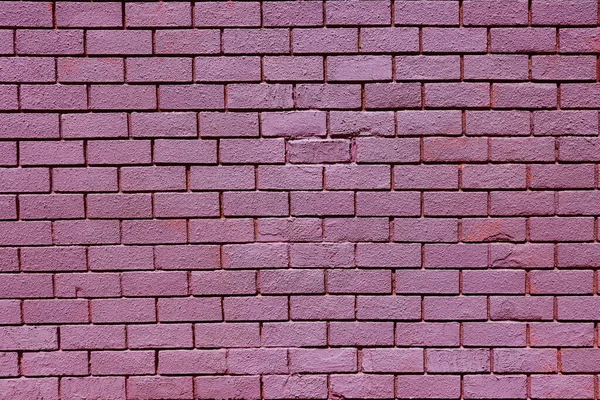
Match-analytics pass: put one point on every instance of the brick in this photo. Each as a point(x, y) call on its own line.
point(387, 254)
point(548, 334)
point(523, 40)
point(53, 259)
point(426, 68)
point(9, 364)
point(521, 308)
point(479, 13)
point(454, 40)
point(296, 281)
point(159, 69)
point(557, 68)
point(267, 308)
point(55, 311)
point(257, 361)
point(277, 334)
point(119, 42)
point(26, 14)
point(187, 257)
point(181, 205)
point(356, 229)
point(51, 206)
point(9, 97)
point(563, 12)
point(564, 386)
point(127, 362)
point(93, 388)
point(161, 15)
point(121, 205)
point(92, 70)
point(189, 309)
point(218, 14)
point(345, 281)
point(21, 233)
point(147, 387)
point(28, 338)
point(55, 363)
point(494, 282)
point(105, 125)
point(460, 203)
point(388, 204)
point(27, 69)
point(228, 69)
point(294, 124)
point(326, 96)
point(105, 258)
point(322, 203)
point(87, 232)
point(580, 360)
point(458, 360)
point(223, 282)
point(130, 97)
point(187, 41)
point(427, 281)
point(357, 177)
point(8, 207)
point(256, 41)
point(359, 68)
point(259, 96)
point(510, 334)
point(248, 204)
point(282, 386)
point(83, 15)
point(522, 203)
point(159, 336)
point(579, 40)
point(191, 362)
point(389, 40)
point(8, 45)
point(498, 123)
point(428, 386)
point(577, 255)
point(525, 360)
point(351, 123)
point(222, 177)
point(425, 13)
point(316, 151)
point(30, 388)
point(571, 229)
point(323, 360)
point(290, 13)
point(322, 307)
point(186, 97)
point(509, 176)
point(425, 177)
point(53, 97)
point(425, 230)
point(522, 149)
point(569, 282)
point(428, 334)
point(577, 203)
point(385, 308)
point(92, 337)
point(374, 13)
point(209, 387)
point(524, 95)
point(496, 67)
point(229, 230)
point(289, 229)
point(561, 176)
point(110, 152)
point(152, 178)
point(361, 333)
point(87, 285)
point(392, 95)
point(50, 152)
point(36, 41)
point(395, 360)
point(330, 40)
point(565, 123)
point(123, 310)
point(495, 387)
point(228, 124)
point(461, 94)
point(454, 309)
point(230, 334)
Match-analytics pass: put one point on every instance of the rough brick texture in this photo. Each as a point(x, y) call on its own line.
point(341, 199)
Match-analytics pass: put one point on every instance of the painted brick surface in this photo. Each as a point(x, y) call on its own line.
point(341, 199)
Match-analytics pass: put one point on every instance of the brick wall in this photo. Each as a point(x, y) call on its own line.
point(299, 199)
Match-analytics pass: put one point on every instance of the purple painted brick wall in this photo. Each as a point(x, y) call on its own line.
point(353, 199)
